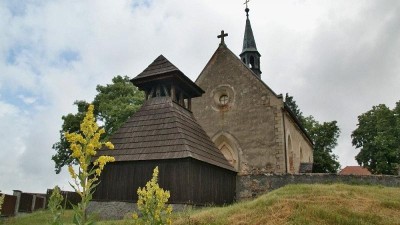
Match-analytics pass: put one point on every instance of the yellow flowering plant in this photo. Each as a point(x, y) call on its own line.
point(152, 203)
point(84, 147)
point(1, 201)
point(55, 207)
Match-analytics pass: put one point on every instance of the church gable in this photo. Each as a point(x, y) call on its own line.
point(237, 103)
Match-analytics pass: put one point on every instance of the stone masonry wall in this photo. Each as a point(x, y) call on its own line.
point(249, 123)
point(251, 186)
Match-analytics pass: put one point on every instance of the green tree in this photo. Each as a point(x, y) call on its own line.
point(114, 104)
point(378, 137)
point(324, 136)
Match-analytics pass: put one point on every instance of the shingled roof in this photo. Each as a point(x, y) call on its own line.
point(162, 70)
point(162, 129)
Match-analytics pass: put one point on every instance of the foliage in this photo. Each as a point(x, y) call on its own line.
point(152, 203)
point(378, 137)
point(324, 136)
point(114, 103)
point(55, 206)
point(84, 146)
point(1, 201)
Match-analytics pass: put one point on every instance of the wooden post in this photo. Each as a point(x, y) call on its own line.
point(173, 93)
point(181, 100)
point(189, 106)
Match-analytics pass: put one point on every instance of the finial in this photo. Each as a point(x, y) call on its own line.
point(222, 36)
point(247, 8)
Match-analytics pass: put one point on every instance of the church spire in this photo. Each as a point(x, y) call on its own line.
point(250, 56)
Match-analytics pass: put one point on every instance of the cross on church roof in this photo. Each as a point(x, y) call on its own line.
point(247, 8)
point(222, 36)
point(245, 3)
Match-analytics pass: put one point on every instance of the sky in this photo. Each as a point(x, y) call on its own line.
point(337, 58)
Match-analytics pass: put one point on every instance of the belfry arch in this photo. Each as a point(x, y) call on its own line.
point(229, 147)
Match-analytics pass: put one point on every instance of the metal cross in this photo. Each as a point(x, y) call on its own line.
point(222, 36)
point(246, 3)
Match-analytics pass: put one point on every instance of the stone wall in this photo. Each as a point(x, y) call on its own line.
point(118, 210)
point(299, 148)
point(240, 114)
point(251, 186)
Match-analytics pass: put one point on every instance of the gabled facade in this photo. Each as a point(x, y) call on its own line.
point(249, 122)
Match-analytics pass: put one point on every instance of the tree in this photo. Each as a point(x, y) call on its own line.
point(378, 137)
point(324, 136)
point(114, 104)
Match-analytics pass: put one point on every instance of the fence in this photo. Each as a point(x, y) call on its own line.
point(21, 202)
point(8, 207)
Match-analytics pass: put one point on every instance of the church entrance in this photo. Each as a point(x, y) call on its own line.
point(228, 147)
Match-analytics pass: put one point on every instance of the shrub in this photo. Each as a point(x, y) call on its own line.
point(1, 201)
point(152, 203)
point(84, 147)
point(55, 206)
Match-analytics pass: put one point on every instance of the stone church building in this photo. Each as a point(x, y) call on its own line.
point(205, 136)
point(248, 122)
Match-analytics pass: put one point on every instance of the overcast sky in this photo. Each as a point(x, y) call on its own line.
point(337, 58)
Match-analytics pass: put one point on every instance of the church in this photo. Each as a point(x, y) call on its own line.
point(248, 122)
point(205, 135)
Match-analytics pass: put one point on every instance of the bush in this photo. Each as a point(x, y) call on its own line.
point(152, 203)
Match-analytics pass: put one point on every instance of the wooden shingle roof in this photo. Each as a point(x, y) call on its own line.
point(163, 71)
point(162, 129)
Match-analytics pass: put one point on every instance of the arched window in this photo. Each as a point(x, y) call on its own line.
point(251, 62)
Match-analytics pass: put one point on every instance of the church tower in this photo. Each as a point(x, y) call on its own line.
point(250, 56)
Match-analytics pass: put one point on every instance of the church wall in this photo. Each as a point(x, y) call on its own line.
point(299, 149)
point(251, 119)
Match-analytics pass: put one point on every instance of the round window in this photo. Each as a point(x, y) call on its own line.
point(224, 99)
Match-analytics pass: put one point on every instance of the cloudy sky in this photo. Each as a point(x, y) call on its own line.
point(337, 58)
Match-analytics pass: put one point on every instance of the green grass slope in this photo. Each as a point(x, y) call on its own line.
point(336, 204)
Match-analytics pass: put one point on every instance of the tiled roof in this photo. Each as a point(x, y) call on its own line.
point(354, 170)
point(162, 129)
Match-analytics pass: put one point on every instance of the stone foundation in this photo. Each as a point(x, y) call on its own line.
point(118, 210)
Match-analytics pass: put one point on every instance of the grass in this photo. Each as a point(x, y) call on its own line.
point(337, 204)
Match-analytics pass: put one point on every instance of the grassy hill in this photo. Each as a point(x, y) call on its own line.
point(336, 204)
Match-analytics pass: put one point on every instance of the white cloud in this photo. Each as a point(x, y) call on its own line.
point(337, 59)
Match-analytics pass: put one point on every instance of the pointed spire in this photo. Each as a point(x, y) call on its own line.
point(250, 55)
point(249, 44)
